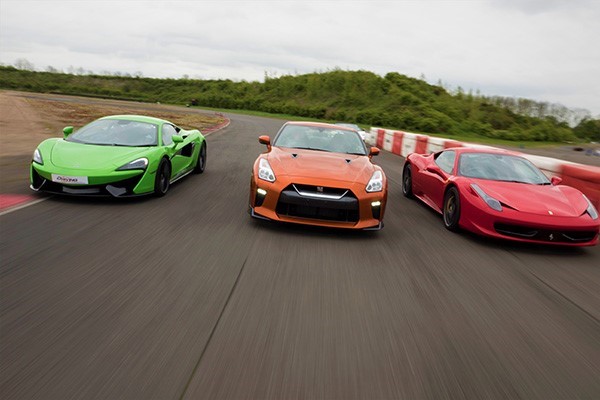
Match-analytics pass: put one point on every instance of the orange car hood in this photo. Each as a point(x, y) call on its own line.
point(320, 164)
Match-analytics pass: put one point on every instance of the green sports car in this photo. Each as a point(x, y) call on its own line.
point(120, 156)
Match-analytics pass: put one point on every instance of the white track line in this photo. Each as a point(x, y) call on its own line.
point(23, 206)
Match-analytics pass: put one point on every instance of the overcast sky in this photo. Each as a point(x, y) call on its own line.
point(546, 50)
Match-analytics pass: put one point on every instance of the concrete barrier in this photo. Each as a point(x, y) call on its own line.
point(586, 178)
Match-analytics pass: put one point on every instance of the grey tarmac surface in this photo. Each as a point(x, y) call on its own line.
point(186, 297)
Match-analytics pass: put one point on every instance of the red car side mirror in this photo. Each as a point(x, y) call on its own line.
point(555, 180)
point(434, 169)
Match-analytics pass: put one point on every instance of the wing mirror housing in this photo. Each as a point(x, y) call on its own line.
point(373, 151)
point(434, 169)
point(555, 180)
point(67, 130)
point(177, 139)
point(266, 140)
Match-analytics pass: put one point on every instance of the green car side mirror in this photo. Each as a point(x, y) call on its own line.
point(67, 130)
point(177, 139)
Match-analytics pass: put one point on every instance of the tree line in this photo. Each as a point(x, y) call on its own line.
point(393, 101)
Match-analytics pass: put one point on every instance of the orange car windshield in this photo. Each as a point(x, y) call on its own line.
point(320, 139)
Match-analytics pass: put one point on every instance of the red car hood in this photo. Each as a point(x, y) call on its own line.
point(561, 201)
point(321, 165)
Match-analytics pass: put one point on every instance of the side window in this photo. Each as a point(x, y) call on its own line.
point(167, 133)
point(446, 161)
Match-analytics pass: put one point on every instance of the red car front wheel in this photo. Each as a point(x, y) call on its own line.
point(451, 210)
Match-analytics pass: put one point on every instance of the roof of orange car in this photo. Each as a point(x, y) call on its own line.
point(320, 125)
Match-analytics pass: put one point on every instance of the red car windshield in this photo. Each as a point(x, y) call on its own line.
point(500, 167)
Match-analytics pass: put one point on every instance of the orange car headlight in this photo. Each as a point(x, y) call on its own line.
point(265, 172)
point(375, 183)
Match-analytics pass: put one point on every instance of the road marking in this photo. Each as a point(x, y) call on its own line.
point(21, 206)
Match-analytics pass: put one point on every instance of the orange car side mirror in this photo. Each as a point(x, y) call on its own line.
point(264, 139)
point(373, 151)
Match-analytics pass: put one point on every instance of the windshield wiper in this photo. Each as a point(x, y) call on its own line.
point(514, 181)
point(357, 154)
point(309, 148)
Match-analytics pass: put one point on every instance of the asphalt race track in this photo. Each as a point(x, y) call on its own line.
point(187, 297)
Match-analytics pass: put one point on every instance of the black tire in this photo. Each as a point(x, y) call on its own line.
point(201, 162)
point(163, 178)
point(407, 181)
point(451, 211)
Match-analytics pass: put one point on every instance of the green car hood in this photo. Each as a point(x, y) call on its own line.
point(86, 156)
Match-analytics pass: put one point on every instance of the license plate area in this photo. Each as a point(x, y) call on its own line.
point(70, 180)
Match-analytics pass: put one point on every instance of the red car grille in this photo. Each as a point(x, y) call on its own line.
point(545, 235)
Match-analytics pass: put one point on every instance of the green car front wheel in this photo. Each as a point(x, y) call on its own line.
point(163, 178)
point(201, 163)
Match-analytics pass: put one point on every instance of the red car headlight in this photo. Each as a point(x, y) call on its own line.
point(489, 200)
point(591, 210)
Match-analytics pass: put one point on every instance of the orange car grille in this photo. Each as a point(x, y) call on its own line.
point(329, 204)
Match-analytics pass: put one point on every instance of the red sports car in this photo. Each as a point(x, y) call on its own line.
point(500, 194)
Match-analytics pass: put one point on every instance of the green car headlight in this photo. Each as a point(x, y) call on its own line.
point(140, 163)
point(37, 157)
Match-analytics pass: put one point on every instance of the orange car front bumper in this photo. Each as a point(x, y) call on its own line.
point(278, 201)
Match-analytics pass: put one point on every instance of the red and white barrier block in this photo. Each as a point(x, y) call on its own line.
point(583, 177)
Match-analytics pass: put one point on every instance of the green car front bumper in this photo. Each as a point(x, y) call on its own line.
point(116, 183)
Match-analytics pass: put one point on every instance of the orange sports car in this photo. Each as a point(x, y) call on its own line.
point(318, 174)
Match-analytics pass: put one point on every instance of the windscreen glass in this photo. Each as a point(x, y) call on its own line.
point(116, 132)
point(320, 139)
point(500, 167)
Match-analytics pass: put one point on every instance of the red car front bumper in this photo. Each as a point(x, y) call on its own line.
point(478, 217)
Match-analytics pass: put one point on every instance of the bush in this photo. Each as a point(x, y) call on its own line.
point(588, 129)
point(548, 132)
point(395, 101)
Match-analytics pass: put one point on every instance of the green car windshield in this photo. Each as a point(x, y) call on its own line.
point(117, 132)
point(500, 167)
point(320, 139)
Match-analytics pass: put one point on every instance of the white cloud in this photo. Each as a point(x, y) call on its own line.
point(543, 50)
